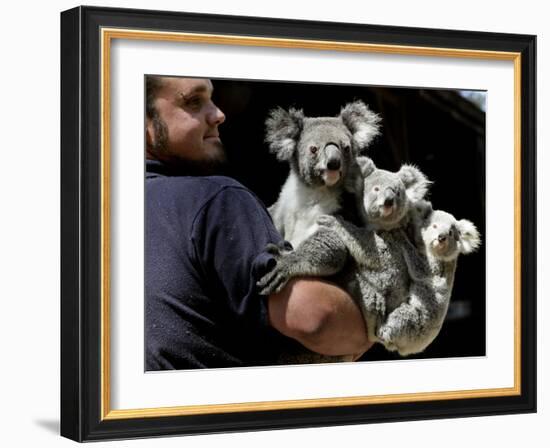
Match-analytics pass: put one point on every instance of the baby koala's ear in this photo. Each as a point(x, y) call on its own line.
point(469, 238)
point(360, 167)
point(363, 123)
point(416, 183)
point(366, 165)
point(420, 213)
point(282, 131)
point(422, 210)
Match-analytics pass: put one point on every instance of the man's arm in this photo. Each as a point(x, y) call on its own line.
point(321, 316)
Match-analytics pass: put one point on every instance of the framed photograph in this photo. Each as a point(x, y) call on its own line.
point(165, 327)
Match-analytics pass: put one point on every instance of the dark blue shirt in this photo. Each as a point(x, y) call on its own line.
point(204, 251)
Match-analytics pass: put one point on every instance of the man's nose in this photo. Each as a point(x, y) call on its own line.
point(215, 116)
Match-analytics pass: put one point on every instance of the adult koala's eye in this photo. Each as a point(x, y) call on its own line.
point(313, 149)
point(434, 226)
point(376, 189)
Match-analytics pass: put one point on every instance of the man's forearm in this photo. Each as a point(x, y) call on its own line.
point(321, 316)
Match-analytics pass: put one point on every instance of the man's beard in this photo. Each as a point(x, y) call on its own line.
point(206, 167)
point(210, 167)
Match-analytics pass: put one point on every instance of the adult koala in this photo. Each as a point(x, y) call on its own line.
point(321, 152)
point(372, 262)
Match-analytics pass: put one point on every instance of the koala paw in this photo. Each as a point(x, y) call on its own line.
point(279, 249)
point(327, 221)
point(276, 279)
point(385, 334)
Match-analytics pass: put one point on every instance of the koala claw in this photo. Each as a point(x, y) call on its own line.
point(279, 249)
point(273, 281)
point(273, 249)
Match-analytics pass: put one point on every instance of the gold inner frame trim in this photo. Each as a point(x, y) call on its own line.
point(107, 35)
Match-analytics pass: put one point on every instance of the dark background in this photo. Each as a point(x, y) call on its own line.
point(439, 131)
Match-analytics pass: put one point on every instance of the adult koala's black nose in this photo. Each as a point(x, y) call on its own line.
point(334, 164)
point(388, 202)
point(442, 238)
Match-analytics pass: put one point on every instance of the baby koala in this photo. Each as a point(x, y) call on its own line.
point(440, 238)
point(370, 262)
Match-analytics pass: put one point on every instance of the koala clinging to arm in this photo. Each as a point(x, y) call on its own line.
point(322, 154)
point(441, 239)
point(368, 261)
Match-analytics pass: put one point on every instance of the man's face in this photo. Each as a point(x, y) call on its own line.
point(187, 123)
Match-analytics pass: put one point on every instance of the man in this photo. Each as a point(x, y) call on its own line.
point(204, 252)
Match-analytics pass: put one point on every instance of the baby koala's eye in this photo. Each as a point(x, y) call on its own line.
point(376, 189)
point(313, 149)
point(434, 226)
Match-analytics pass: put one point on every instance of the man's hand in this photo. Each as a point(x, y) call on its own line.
point(321, 316)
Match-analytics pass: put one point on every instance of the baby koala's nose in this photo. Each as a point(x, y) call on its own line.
point(389, 202)
point(333, 164)
point(442, 238)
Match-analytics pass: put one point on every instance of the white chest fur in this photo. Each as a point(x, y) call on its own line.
point(296, 211)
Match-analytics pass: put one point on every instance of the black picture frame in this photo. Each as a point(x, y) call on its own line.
point(84, 403)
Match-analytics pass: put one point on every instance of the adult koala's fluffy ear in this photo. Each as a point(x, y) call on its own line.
point(362, 122)
point(282, 131)
point(415, 181)
point(469, 239)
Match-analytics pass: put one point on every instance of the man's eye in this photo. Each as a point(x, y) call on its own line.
point(194, 102)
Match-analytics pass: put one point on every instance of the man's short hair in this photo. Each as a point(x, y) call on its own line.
point(152, 86)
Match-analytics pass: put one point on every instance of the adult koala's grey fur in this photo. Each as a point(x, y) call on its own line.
point(322, 155)
point(441, 239)
point(374, 262)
